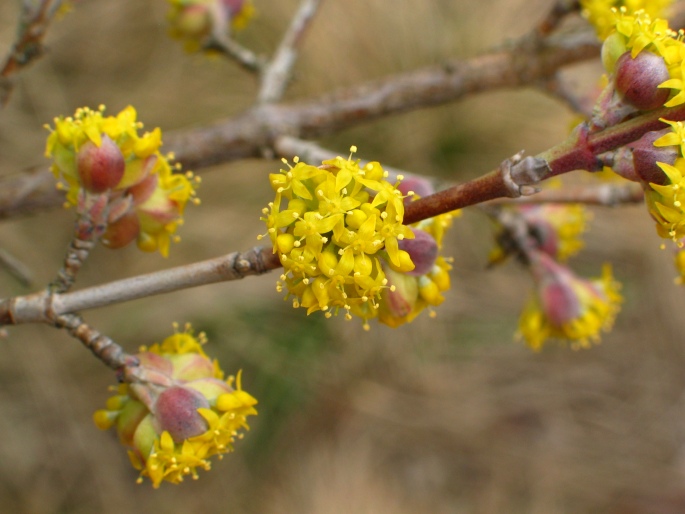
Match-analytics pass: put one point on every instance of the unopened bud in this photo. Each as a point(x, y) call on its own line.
point(613, 47)
point(176, 412)
point(637, 80)
point(400, 301)
point(122, 232)
point(423, 250)
point(637, 161)
point(100, 167)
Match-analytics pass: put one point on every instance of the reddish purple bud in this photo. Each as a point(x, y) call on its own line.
point(423, 250)
point(637, 161)
point(100, 167)
point(560, 302)
point(176, 412)
point(419, 185)
point(122, 232)
point(637, 80)
point(233, 6)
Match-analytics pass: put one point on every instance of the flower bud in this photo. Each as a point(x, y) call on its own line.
point(418, 185)
point(613, 47)
point(100, 167)
point(193, 21)
point(122, 232)
point(423, 250)
point(400, 301)
point(637, 80)
point(637, 161)
point(166, 410)
point(567, 307)
point(176, 412)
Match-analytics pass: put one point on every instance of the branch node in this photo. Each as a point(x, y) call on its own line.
point(519, 174)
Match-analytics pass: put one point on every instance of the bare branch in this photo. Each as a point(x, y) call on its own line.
point(28, 46)
point(44, 307)
point(16, 268)
point(102, 346)
point(277, 74)
point(559, 11)
point(608, 195)
point(234, 50)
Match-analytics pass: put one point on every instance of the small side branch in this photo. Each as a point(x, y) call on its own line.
point(102, 346)
point(28, 45)
point(277, 74)
point(234, 50)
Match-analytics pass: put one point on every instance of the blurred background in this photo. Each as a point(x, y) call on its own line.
point(446, 415)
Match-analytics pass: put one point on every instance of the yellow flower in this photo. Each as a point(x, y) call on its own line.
point(665, 202)
point(147, 197)
point(601, 13)
point(566, 307)
point(177, 411)
point(340, 223)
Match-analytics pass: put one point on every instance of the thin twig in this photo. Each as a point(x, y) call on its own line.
point(28, 46)
point(44, 307)
point(102, 346)
point(277, 74)
point(556, 15)
point(234, 50)
point(16, 268)
point(606, 195)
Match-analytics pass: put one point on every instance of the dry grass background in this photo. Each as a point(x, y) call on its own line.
point(445, 415)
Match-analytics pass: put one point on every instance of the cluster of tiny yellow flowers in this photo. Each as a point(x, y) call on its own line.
point(180, 413)
point(569, 308)
point(334, 228)
point(601, 13)
point(195, 22)
point(151, 198)
point(637, 31)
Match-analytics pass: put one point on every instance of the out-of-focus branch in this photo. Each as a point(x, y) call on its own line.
point(248, 134)
point(44, 307)
point(16, 268)
point(607, 195)
point(234, 50)
point(559, 11)
point(277, 74)
point(28, 46)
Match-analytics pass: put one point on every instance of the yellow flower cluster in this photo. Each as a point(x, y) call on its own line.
point(569, 308)
point(182, 388)
point(157, 195)
point(333, 226)
point(601, 13)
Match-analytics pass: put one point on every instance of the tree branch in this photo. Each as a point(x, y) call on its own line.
point(277, 74)
point(44, 307)
point(246, 135)
point(28, 46)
